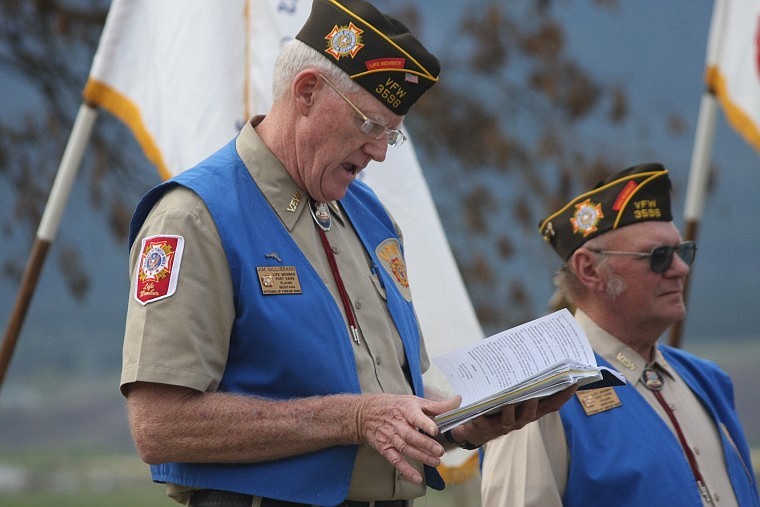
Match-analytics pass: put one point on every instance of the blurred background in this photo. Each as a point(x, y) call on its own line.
point(537, 100)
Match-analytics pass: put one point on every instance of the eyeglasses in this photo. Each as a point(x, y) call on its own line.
point(660, 257)
point(370, 127)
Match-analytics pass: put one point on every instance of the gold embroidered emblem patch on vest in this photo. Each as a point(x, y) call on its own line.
point(389, 253)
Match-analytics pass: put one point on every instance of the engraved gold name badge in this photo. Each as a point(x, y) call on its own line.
point(594, 401)
point(278, 280)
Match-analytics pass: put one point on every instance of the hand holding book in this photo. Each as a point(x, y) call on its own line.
point(532, 360)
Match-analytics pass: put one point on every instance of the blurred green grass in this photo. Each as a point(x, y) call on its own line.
point(141, 496)
point(95, 480)
point(77, 480)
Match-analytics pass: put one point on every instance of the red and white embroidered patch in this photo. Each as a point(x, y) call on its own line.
point(158, 268)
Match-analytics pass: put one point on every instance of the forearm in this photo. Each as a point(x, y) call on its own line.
point(176, 424)
point(171, 423)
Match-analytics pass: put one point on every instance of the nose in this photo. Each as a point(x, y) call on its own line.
point(376, 149)
point(678, 266)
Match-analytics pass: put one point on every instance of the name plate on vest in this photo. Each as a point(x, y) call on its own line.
point(594, 401)
point(278, 280)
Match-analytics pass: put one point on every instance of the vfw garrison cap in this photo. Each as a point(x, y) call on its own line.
point(375, 50)
point(634, 195)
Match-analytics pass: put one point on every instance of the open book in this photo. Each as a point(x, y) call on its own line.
point(532, 360)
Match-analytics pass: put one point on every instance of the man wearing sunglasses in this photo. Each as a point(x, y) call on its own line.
point(670, 436)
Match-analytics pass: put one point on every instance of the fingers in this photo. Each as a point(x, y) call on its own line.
point(401, 450)
point(515, 416)
point(433, 408)
point(409, 441)
point(507, 420)
point(511, 417)
point(405, 468)
point(396, 427)
point(554, 402)
point(525, 413)
point(531, 410)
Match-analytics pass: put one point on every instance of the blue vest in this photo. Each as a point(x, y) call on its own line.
point(274, 352)
point(628, 456)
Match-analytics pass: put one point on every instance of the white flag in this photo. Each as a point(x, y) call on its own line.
point(733, 64)
point(184, 75)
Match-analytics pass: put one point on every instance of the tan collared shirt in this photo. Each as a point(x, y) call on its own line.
point(529, 467)
point(163, 344)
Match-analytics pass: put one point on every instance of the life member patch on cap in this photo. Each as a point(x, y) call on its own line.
point(392, 260)
point(158, 268)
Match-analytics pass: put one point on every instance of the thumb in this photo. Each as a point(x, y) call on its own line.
point(439, 407)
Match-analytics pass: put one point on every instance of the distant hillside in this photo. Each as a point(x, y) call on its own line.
point(67, 418)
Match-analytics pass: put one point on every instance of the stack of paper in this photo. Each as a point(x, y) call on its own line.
point(533, 360)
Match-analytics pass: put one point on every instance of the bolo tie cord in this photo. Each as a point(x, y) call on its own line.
point(655, 387)
point(323, 225)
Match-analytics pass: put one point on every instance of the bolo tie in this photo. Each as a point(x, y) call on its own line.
point(653, 381)
point(320, 212)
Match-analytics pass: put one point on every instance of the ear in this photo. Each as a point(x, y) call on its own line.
point(584, 264)
point(303, 89)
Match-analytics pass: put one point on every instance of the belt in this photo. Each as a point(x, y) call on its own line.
point(216, 498)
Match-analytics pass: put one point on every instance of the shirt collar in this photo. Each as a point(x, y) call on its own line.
point(619, 355)
point(284, 196)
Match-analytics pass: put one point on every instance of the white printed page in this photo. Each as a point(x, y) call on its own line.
point(511, 356)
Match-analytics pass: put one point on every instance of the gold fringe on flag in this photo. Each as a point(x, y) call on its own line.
point(461, 473)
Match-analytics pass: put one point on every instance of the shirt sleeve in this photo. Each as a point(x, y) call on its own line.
point(527, 467)
point(182, 339)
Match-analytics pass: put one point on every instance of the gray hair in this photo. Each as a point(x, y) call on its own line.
point(296, 56)
point(567, 283)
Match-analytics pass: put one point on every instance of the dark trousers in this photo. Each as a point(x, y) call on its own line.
point(214, 498)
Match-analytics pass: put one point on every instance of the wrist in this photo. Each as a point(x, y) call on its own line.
point(449, 437)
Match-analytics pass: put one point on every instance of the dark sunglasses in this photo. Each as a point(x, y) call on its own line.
point(660, 257)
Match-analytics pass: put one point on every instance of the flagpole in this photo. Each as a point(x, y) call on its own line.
point(699, 175)
point(48, 228)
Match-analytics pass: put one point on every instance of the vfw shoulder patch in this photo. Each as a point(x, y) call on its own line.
point(392, 259)
point(158, 268)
